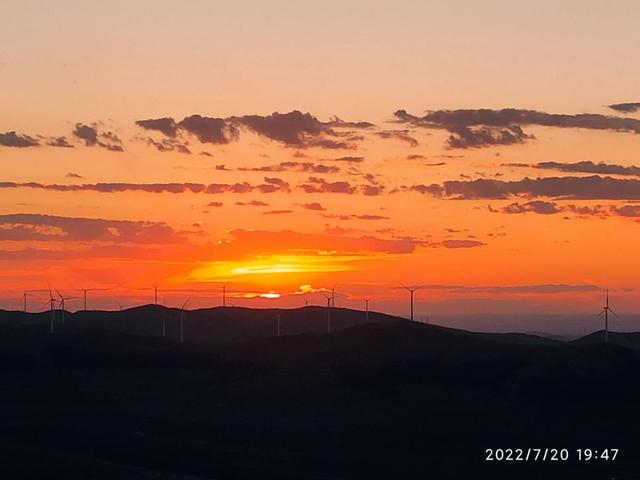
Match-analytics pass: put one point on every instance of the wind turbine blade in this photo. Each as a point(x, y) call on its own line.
point(614, 313)
point(185, 303)
point(601, 313)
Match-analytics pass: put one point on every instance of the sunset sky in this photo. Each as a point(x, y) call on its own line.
point(486, 151)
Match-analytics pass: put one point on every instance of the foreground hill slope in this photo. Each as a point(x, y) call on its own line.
point(388, 399)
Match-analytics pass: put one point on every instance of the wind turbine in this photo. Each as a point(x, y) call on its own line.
point(331, 303)
point(184, 305)
point(24, 302)
point(328, 297)
point(411, 290)
point(84, 296)
point(605, 310)
point(278, 326)
point(52, 309)
point(366, 309)
point(155, 294)
point(62, 300)
point(224, 295)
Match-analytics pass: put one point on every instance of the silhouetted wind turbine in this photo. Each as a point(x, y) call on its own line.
point(224, 295)
point(184, 305)
point(84, 295)
point(62, 300)
point(366, 309)
point(328, 297)
point(52, 309)
point(24, 299)
point(155, 294)
point(411, 290)
point(605, 310)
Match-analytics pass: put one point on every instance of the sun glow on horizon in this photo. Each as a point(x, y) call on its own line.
point(273, 265)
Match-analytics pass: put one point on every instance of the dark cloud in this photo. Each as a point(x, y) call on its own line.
point(166, 125)
point(29, 227)
point(339, 123)
point(348, 159)
point(628, 211)
point(402, 135)
point(217, 131)
point(73, 175)
point(355, 217)
point(276, 181)
point(93, 137)
point(296, 129)
point(169, 145)
point(592, 187)
point(253, 203)
point(552, 208)
point(484, 127)
point(459, 244)
point(517, 165)
point(13, 139)
point(215, 204)
point(320, 185)
point(589, 167)
point(631, 107)
point(453, 119)
point(213, 188)
point(59, 142)
point(371, 190)
point(313, 206)
point(277, 212)
point(479, 137)
point(86, 133)
point(536, 206)
point(308, 167)
point(293, 129)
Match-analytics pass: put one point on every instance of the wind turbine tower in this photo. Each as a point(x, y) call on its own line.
point(605, 311)
point(329, 298)
point(84, 296)
point(52, 310)
point(184, 305)
point(411, 290)
point(62, 300)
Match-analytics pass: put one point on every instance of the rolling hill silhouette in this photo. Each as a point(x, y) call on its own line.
point(210, 325)
point(107, 396)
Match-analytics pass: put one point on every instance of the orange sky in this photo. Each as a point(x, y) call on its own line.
point(295, 203)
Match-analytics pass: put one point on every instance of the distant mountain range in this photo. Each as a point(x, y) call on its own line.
point(224, 325)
